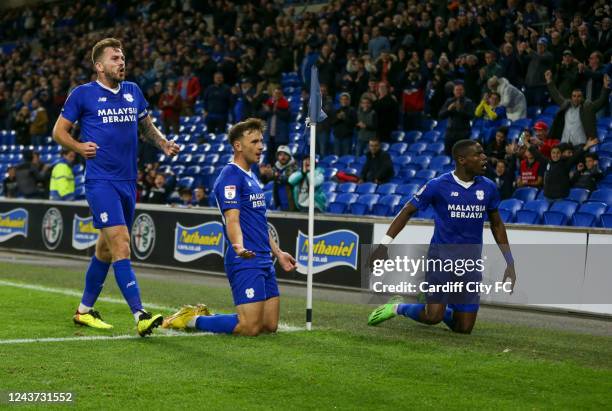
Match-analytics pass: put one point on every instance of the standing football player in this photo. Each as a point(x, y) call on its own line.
point(110, 112)
point(461, 200)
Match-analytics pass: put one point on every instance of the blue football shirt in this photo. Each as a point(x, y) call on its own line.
point(460, 208)
point(108, 118)
point(238, 189)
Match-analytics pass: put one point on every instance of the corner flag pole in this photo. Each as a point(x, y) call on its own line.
point(316, 115)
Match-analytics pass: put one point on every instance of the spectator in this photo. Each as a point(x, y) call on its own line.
point(386, 109)
point(170, 105)
point(541, 139)
point(587, 173)
point(510, 97)
point(503, 179)
point(189, 90)
point(496, 149)
point(30, 180)
point(490, 110)
point(21, 123)
point(62, 178)
point(246, 100)
point(591, 77)
point(491, 68)
point(531, 171)
point(511, 67)
point(344, 122)
point(378, 43)
point(186, 197)
point(200, 198)
point(557, 171)
point(277, 113)
point(218, 101)
point(270, 73)
point(300, 182)
point(284, 167)
point(567, 74)
point(158, 194)
point(9, 184)
point(356, 82)
point(459, 110)
point(366, 125)
point(39, 123)
point(575, 122)
point(324, 127)
point(539, 62)
point(378, 167)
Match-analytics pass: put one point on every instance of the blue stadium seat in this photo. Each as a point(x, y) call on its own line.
point(366, 188)
point(475, 134)
point(506, 216)
point(79, 193)
point(525, 193)
point(532, 212)
point(560, 212)
point(605, 122)
point(364, 204)
point(604, 149)
point(79, 179)
point(192, 171)
point(402, 160)
point(434, 149)
point(178, 169)
point(386, 205)
point(397, 135)
point(551, 110)
point(437, 163)
point(330, 159)
point(425, 174)
point(330, 197)
point(407, 189)
point(347, 159)
point(351, 170)
point(186, 182)
point(420, 162)
point(78, 169)
point(430, 137)
point(225, 159)
point(428, 124)
point(406, 174)
point(512, 205)
point(342, 203)
point(533, 111)
point(441, 126)
point(412, 136)
point(269, 195)
point(606, 220)
point(211, 159)
point(418, 181)
point(522, 123)
point(417, 147)
point(588, 214)
point(602, 195)
point(398, 148)
point(329, 172)
point(346, 188)
point(604, 163)
point(578, 195)
point(386, 189)
point(329, 186)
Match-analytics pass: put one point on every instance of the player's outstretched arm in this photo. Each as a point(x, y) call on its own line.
point(286, 260)
point(154, 136)
point(61, 134)
point(397, 225)
point(234, 232)
point(501, 238)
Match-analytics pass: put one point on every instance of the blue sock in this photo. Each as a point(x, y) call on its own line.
point(448, 318)
point(126, 280)
point(411, 310)
point(94, 280)
point(218, 324)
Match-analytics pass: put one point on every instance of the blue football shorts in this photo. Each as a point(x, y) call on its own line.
point(253, 284)
point(111, 202)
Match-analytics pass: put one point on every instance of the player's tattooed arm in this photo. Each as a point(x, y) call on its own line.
point(153, 135)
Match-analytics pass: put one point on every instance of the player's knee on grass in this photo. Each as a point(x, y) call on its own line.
point(270, 326)
point(251, 329)
point(434, 313)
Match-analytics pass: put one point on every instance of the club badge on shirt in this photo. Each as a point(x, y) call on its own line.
point(230, 192)
point(480, 195)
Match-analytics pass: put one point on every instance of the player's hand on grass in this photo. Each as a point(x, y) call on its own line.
point(381, 253)
point(242, 252)
point(87, 150)
point(286, 261)
point(171, 148)
point(510, 275)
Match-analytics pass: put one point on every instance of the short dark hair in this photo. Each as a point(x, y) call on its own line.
point(593, 156)
point(503, 130)
point(99, 47)
point(461, 147)
point(239, 129)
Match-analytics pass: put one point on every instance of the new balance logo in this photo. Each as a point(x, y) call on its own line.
point(102, 100)
point(130, 284)
point(454, 194)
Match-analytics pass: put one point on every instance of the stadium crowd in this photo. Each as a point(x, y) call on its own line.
point(485, 69)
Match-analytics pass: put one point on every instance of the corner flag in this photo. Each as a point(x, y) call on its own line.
point(315, 111)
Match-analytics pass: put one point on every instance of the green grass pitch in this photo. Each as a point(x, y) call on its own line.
point(342, 364)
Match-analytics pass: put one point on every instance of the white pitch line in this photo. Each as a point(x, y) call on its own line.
point(64, 291)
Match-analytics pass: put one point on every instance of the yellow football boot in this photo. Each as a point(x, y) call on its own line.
point(91, 319)
point(180, 319)
point(147, 322)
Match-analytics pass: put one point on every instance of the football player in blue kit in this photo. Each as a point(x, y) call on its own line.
point(462, 199)
point(249, 263)
point(110, 113)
